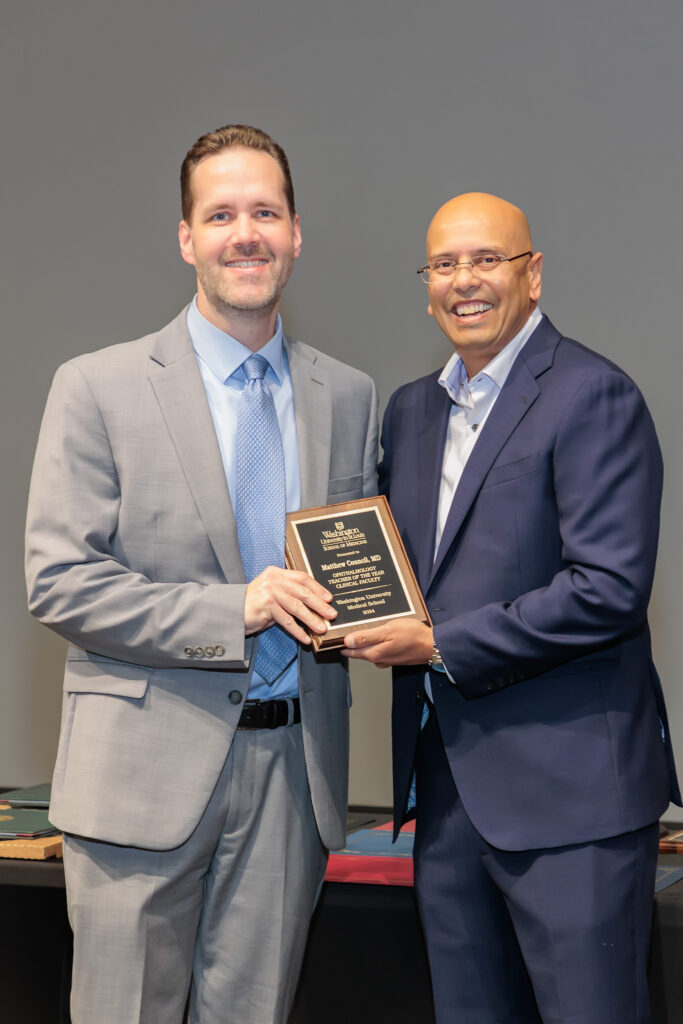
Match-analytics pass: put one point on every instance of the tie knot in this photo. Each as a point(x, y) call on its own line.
point(255, 367)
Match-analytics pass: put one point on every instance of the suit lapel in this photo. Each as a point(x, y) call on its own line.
point(517, 396)
point(430, 442)
point(313, 409)
point(179, 390)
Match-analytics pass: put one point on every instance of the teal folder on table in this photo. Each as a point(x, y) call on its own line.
point(29, 796)
point(24, 823)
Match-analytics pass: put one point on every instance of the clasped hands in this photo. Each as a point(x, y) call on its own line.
point(296, 602)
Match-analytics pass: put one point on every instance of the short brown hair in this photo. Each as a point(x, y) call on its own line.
point(231, 135)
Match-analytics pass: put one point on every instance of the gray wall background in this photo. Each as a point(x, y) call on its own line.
point(386, 109)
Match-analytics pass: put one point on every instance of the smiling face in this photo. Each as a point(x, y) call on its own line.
point(481, 312)
point(241, 238)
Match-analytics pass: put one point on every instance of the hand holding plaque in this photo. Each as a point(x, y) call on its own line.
point(355, 551)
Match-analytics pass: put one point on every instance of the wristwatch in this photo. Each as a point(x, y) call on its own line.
point(436, 661)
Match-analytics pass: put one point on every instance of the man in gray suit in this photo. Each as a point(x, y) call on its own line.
point(198, 788)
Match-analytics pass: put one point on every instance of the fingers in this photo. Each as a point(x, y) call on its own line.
point(400, 642)
point(365, 638)
point(374, 655)
point(368, 645)
point(287, 598)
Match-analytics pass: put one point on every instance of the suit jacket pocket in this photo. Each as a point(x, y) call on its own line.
point(345, 488)
point(91, 673)
point(499, 474)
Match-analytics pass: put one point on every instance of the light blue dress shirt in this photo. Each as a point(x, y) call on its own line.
point(472, 403)
point(220, 358)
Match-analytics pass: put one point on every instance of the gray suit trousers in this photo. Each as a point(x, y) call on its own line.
point(227, 912)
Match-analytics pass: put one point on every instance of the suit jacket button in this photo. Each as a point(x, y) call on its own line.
point(189, 651)
point(235, 697)
point(219, 650)
point(418, 696)
point(199, 652)
point(209, 651)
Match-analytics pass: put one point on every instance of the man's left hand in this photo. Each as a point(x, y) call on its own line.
point(399, 642)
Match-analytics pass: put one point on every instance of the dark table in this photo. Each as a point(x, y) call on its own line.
point(365, 960)
point(35, 943)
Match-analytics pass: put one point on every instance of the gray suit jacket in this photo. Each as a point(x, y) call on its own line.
point(132, 556)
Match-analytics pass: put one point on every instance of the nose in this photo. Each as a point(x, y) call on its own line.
point(469, 280)
point(245, 230)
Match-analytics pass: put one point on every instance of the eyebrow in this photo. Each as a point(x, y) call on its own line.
point(257, 204)
point(450, 254)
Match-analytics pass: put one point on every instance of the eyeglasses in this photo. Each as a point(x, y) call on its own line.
point(478, 264)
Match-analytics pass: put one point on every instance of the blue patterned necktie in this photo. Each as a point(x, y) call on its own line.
point(260, 503)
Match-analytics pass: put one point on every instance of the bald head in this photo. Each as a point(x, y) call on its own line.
point(480, 211)
point(480, 310)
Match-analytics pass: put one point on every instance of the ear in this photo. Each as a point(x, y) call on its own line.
point(185, 242)
point(534, 271)
point(430, 310)
point(296, 234)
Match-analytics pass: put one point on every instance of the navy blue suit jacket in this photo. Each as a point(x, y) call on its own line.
point(539, 595)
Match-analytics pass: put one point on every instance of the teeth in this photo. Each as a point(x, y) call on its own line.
point(246, 263)
point(466, 309)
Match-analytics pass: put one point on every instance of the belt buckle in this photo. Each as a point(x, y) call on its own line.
point(250, 710)
point(268, 714)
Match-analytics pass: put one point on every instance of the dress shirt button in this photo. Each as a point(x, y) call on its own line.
point(189, 651)
point(209, 651)
point(219, 650)
point(199, 652)
point(235, 697)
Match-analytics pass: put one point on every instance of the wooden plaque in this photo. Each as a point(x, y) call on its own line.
point(354, 550)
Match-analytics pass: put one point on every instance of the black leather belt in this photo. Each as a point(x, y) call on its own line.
point(270, 714)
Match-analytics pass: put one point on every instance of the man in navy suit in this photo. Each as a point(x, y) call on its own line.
point(525, 479)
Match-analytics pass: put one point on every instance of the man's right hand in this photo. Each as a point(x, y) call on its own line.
point(283, 596)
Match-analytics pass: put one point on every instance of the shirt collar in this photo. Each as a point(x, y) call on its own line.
point(224, 354)
point(453, 377)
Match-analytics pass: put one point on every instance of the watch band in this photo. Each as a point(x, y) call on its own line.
point(436, 661)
